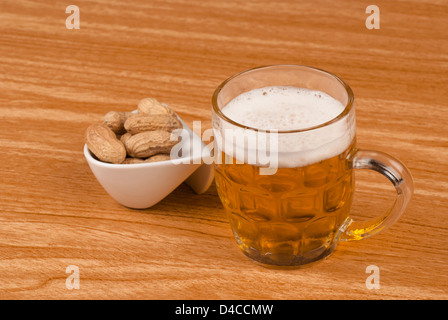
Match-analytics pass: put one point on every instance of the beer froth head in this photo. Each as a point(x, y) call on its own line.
point(283, 126)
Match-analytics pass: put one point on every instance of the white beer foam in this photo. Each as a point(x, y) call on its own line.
point(282, 108)
point(286, 108)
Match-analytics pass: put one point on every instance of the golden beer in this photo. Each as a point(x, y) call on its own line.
point(291, 217)
point(295, 212)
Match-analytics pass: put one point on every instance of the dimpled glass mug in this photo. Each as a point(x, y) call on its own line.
point(298, 124)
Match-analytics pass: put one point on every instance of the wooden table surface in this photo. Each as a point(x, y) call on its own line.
point(55, 81)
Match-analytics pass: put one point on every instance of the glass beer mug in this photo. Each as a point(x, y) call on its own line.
point(285, 151)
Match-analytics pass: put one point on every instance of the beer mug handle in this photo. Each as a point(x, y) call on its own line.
point(400, 177)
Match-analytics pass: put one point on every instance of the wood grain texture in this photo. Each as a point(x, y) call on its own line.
point(54, 82)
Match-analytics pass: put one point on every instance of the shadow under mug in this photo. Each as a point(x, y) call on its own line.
point(298, 214)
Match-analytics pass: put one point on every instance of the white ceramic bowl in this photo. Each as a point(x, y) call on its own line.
point(143, 185)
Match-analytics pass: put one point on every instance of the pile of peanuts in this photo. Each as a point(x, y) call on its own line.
point(129, 138)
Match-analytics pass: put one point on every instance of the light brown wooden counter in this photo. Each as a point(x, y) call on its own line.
point(54, 82)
